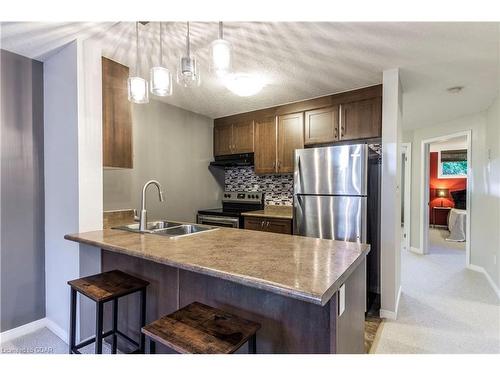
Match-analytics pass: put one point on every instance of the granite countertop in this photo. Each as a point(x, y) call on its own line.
point(275, 212)
point(303, 268)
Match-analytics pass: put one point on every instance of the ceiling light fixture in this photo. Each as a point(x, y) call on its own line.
point(187, 73)
point(137, 86)
point(244, 84)
point(455, 89)
point(220, 53)
point(160, 78)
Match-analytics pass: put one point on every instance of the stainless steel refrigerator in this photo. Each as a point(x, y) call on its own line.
point(336, 196)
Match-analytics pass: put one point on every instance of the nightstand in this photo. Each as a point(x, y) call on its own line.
point(440, 216)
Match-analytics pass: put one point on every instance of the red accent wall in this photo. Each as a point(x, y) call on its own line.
point(452, 184)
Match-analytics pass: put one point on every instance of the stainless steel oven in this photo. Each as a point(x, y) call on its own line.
point(233, 204)
point(219, 221)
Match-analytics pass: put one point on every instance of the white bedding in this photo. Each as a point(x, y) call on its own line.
point(456, 225)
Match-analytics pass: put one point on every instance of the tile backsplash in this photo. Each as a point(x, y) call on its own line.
point(278, 189)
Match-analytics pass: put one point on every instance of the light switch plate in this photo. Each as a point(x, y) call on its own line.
point(341, 299)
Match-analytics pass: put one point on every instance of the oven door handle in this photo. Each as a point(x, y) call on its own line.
point(221, 219)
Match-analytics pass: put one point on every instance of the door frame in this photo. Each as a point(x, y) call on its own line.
point(424, 190)
point(406, 146)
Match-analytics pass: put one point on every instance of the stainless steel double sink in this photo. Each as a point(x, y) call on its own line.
point(167, 228)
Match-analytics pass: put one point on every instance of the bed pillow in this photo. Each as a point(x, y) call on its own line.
point(460, 199)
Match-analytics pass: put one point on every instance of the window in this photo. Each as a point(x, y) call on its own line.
point(453, 164)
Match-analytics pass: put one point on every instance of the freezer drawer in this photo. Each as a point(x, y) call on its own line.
point(330, 217)
point(336, 170)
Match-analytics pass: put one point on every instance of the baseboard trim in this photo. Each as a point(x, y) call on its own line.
point(31, 327)
point(57, 330)
point(389, 314)
point(480, 269)
point(397, 301)
point(25, 329)
point(416, 250)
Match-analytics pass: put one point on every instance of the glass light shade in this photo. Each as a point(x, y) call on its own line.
point(187, 73)
point(243, 84)
point(138, 90)
point(160, 82)
point(220, 53)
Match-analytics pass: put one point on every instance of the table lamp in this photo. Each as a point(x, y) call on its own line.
point(442, 193)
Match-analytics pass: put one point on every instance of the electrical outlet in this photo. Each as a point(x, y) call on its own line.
point(494, 259)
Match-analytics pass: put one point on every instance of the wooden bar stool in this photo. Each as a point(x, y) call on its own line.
point(201, 329)
point(101, 288)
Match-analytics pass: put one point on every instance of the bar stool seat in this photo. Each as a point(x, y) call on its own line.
point(201, 329)
point(101, 288)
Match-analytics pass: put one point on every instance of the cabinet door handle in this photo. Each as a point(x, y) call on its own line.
point(274, 164)
point(262, 224)
point(341, 125)
point(267, 224)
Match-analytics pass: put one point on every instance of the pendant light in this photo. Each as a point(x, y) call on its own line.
point(220, 55)
point(137, 86)
point(160, 77)
point(187, 73)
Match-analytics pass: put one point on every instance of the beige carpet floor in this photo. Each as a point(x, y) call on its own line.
point(444, 307)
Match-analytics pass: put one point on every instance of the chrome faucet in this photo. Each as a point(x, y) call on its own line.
point(143, 220)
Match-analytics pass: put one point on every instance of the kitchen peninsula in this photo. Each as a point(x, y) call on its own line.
point(308, 294)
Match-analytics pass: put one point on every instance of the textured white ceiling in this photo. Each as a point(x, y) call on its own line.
point(304, 60)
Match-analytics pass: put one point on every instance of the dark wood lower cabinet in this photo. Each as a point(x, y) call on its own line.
point(289, 325)
point(266, 224)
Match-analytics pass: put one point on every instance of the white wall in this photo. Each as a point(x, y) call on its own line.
point(73, 179)
point(493, 173)
point(61, 180)
point(175, 147)
point(391, 177)
point(484, 219)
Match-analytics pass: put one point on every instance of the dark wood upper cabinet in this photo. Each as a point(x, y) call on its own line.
point(274, 133)
point(243, 137)
point(116, 116)
point(223, 139)
point(233, 138)
point(321, 125)
point(290, 138)
point(265, 146)
point(361, 119)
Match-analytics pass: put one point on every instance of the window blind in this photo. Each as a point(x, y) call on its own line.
point(453, 155)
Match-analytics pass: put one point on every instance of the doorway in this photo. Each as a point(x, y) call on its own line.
point(445, 206)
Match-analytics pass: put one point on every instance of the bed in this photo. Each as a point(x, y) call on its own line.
point(457, 218)
point(456, 225)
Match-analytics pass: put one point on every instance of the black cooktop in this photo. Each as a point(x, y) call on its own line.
point(220, 212)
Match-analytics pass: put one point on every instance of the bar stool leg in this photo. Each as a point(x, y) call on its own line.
point(152, 347)
point(115, 325)
point(142, 340)
point(252, 344)
point(72, 319)
point(98, 328)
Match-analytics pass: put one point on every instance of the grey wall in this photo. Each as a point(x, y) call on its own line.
point(22, 191)
point(173, 146)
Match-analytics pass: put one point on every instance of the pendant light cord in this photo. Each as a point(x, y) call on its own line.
point(221, 30)
point(137, 48)
point(187, 41)
point(161, 47)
